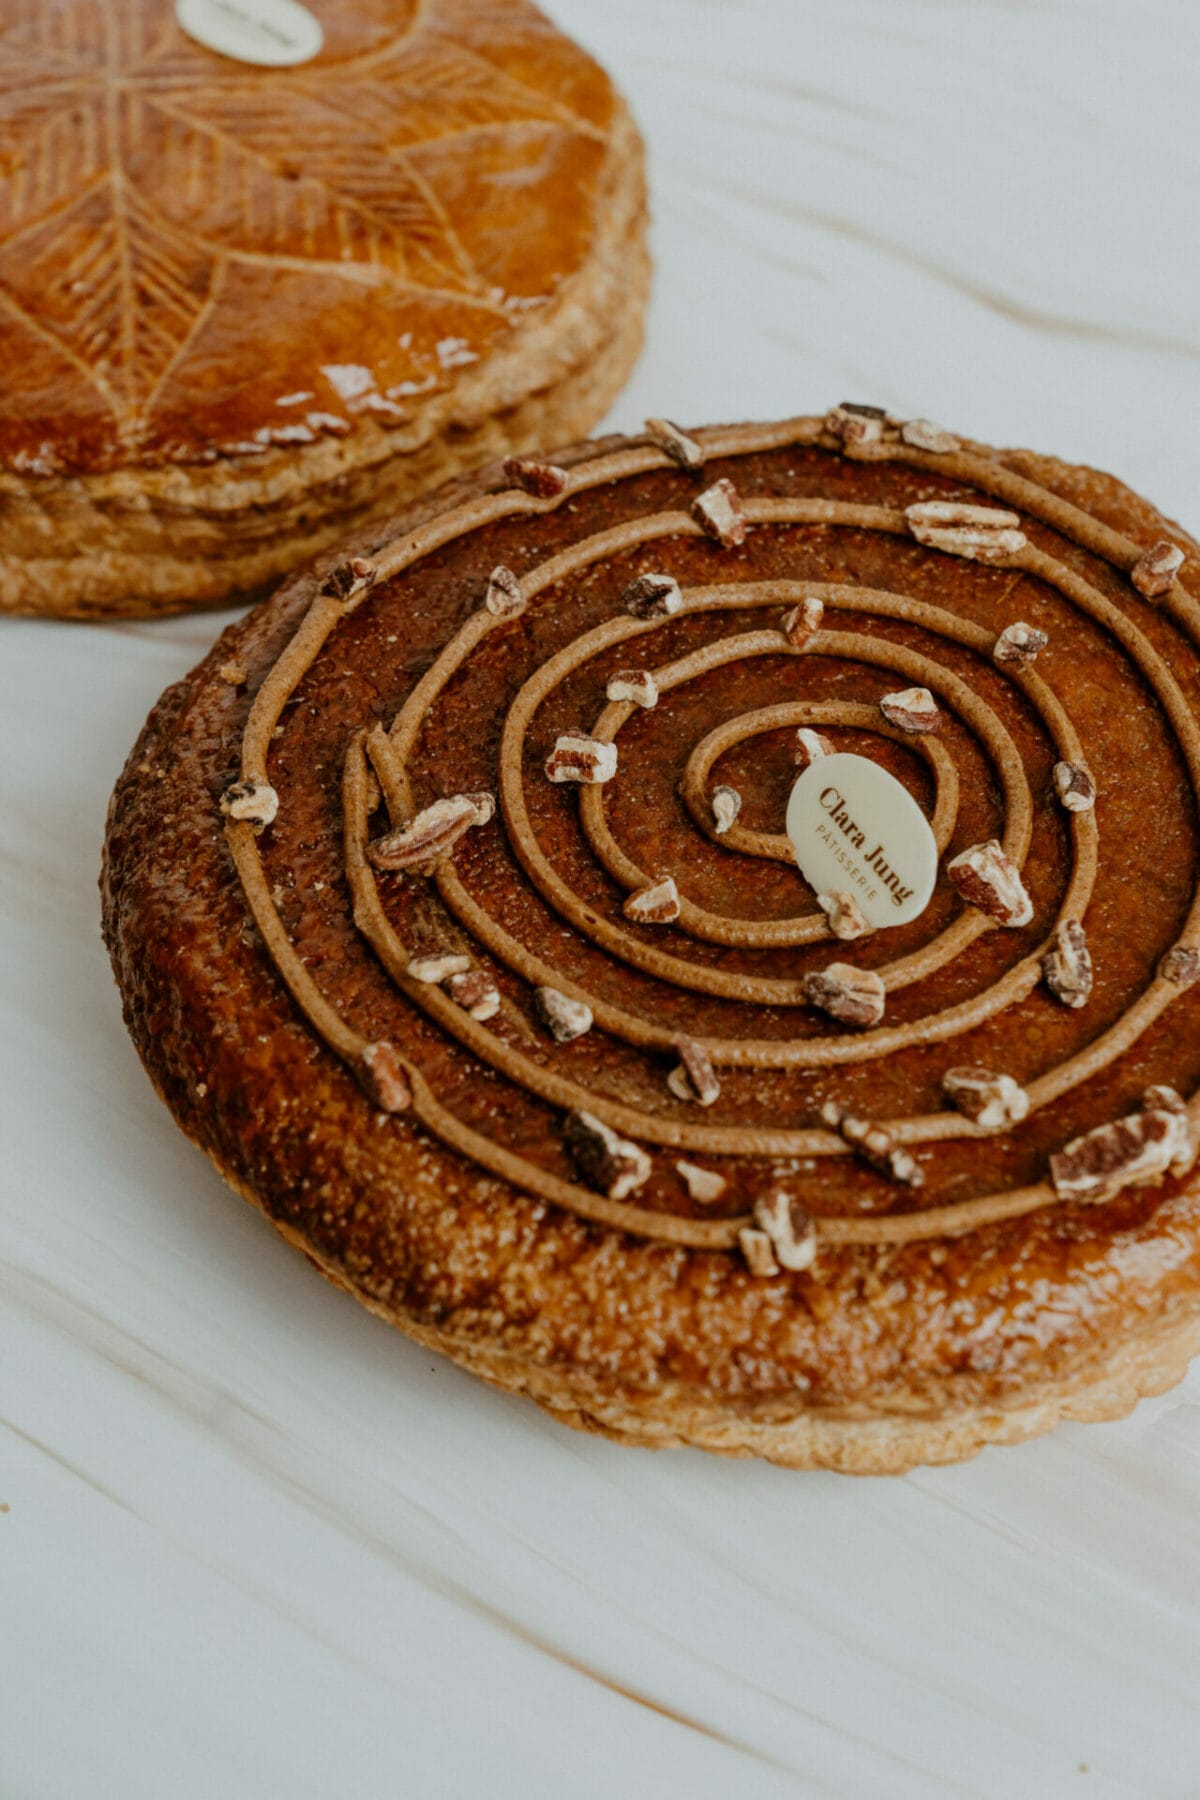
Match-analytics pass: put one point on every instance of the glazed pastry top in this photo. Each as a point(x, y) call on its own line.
point(202, 258)
point(504, 795)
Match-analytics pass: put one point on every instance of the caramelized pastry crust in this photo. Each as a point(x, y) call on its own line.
point(243, 309)
point(432, 932)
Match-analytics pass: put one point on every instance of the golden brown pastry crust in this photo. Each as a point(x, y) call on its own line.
point(886, 1355)
point(242, 310)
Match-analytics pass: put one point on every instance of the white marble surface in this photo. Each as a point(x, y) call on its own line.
point(255, 1544)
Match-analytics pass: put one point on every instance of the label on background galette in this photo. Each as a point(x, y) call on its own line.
point(856, 830)
point(274, 34)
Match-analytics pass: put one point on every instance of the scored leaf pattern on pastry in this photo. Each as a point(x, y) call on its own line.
point(136, 168)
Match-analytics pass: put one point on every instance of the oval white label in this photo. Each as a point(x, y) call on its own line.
point(856, 830)
point(273, 33)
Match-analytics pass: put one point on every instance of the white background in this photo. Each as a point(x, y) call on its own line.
point(256, 1543)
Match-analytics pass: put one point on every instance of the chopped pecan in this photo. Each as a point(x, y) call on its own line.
point(635, 686)
point(1154, 572)
point(606, 1160)
point(875, 1145)
point(543, 480)
point(757, 1249)
point(1067, 969)
point(792, 1234)
point(923, 434)
point(652, 597)
point(382, 1075)
point(348, 581)
point(842, 911)
point(1019, 644)
point(852, 996)
point(656, 904)
point(564, 1018)
point(1185, 1133)
point(578, 757)
point(852, 424)
point(1074, 785)
point(1136, 1151)
point(704, 1185)
point(250, 803)
point(805, 620)
point(476, 992)
point(439, 967)
point(676, 444)
point(719, 510)
point(1180, 966)
point(726, 805)
point(504, 596)
point(979, 533)
point(808, 746)
point(425, 840)
point(1162, 1098)
point(694, 1078)
point(911, 709)
point(987, 878)
point(993, 1101)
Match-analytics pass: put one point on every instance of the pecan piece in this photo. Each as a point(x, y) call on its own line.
point(923, 434)
point(504, 596)
point(694, 1078)
point(1067, 969)
point(757, 1249)
point(425, 840)
point(348, 581)
point(1136, 1151)
point(682, 449)
point(719, 510)
point(635, 686)
point(911, 709)
point(979, 533)
point(605, 1160)
point(476, 992)
point(875, 1145)
point(578, 757)
point(845, 918)
point(250, 803)
point(1074, 786)
point(704, 1185)
point(1164, 1103)
point(987, 878)
point(564, 1018)
point(993, 1101)
point(852, 996)
point(656, 904)
point(1019, 644)
point(792, 1234)
point(726, 805)
point(1180, 966)
point(382, 1075)
point(809, 745)
point(852, 424)
point(543, 480)
point(805, 620)
point(652, 597)
point(1154, 572)
point(439, 967)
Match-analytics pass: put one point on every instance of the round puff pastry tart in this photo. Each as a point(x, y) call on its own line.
point(244, 309)
point(456, 916)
